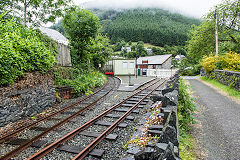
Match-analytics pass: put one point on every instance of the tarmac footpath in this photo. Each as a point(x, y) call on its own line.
point(219, 121)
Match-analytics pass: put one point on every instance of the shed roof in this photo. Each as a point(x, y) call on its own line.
point(159, 59)
point(55, 35)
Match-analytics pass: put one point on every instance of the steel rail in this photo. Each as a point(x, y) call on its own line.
point(73, 133)
point(7, 136)
point(36, 138)
point(95, 142)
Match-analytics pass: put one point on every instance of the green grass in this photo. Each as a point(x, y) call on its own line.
point(147, 45)
point(186, 108)
point(186, 145)
point(230, 91)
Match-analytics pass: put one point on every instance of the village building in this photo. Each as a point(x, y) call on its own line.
point(154, 65)
point(127, 49)
point(149, 51)
point(179, 57)
point(155, 62)
point(63, 57)
point(120, 67)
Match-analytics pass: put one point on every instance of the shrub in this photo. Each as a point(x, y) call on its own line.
point(21, 51)
point(185, 111)
point(209, 63)
point(229, 61)
point(82, 82)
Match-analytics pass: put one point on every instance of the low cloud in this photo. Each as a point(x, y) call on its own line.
point(193, 8)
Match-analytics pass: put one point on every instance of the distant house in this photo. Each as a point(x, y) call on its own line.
point(155, 62)
point(121, 67)
point(179, 57)
point(63, 57)
point(145, 65)
point(149, 51)
point(128, 49)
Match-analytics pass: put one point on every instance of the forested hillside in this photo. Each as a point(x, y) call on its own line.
point(155, 26)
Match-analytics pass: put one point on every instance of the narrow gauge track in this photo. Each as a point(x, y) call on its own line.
point(97, 96)
point(20, 129)
point(84, 152)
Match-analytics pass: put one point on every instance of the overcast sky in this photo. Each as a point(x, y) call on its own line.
point(194, 8)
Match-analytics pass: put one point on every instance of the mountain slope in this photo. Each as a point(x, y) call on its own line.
point(155, 26)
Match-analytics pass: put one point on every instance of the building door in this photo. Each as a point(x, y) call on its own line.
point(139, 71)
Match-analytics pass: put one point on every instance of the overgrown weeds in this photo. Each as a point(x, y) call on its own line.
point(185, 112)
point(83, 82)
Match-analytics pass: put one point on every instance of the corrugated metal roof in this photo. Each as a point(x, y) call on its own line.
point(159, 59)
point(55, 35)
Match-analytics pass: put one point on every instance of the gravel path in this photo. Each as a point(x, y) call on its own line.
point(219, 123)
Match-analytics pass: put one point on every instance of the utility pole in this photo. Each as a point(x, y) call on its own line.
point(216, 29)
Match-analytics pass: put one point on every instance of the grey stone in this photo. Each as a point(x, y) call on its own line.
point(128, 158)
point(147, 153)
point(169, 135)
point(134, 150)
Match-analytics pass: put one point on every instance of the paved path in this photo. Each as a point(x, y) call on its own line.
point(219, 119)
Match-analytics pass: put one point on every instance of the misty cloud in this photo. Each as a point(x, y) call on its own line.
point(194, 8)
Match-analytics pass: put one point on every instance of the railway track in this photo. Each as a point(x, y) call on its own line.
point(20, 129)
point(38, 141)
point(79, 108)
point(126, 107)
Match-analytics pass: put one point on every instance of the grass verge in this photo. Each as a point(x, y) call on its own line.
point(230, 91)
point(185, 111)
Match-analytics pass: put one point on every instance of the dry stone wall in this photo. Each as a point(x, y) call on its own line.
point(166, 146)
point(28, 96)
point(229, 78)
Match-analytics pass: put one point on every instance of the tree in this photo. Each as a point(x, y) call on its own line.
point(100, 50)
point(202, 38)
point(140, 50)
point(81, 27)
point(36, 11)
point(201, 41)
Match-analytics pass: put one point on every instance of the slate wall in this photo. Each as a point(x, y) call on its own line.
point(166, 147)
point(28, 96)
point(229, 78)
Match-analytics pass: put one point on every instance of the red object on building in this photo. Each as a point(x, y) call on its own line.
point(108, 73)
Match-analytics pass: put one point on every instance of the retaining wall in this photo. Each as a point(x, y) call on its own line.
point(228, 78)
point(30, 95)
point(166, 146)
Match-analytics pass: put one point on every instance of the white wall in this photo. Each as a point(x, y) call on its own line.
point(63, 57)
point(124, 67)
point(161, 73)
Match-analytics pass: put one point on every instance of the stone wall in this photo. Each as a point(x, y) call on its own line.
point(29, 95)
point(228, 78)
point(166, 146)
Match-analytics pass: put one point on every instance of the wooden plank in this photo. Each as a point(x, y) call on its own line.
point(125, 110)
point(130, 105)
point(76, 150)
point(137, 99)
point(20, 141)
point(118, 116)
point(96, 134)
point(121, 125)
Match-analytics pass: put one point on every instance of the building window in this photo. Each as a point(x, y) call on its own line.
point(131, 65)
point(125, 65)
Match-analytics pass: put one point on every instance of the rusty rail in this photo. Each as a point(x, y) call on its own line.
point(28, 143)
point(73, 133)
point(94, 143)
point(4, 138)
